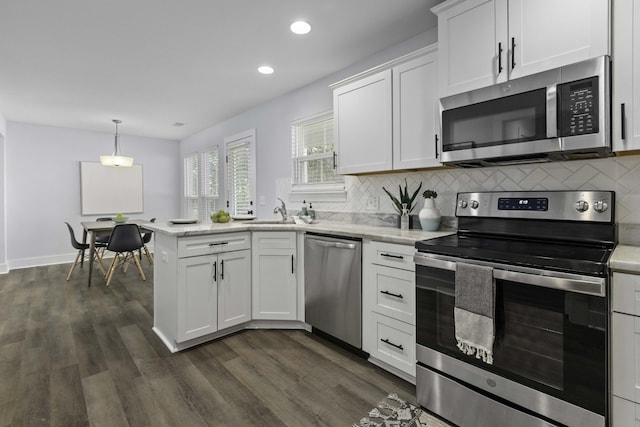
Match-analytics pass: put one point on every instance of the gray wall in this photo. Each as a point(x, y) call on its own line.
point(3, 228)
point(272, 122)
point(42, 186)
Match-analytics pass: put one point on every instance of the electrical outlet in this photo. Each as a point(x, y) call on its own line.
point(165, 257)
point(372, 203)
point(261, 201)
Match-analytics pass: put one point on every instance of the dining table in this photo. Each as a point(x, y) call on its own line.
point(92, 229)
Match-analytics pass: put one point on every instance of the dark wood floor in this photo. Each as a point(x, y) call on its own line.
point(73, 356)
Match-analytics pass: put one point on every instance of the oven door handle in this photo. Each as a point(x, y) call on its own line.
point(562, 281)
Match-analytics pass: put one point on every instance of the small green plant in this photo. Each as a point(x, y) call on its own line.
point(404, 198)
point(429, 194)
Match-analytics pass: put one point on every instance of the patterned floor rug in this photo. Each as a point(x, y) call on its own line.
point(395, 412)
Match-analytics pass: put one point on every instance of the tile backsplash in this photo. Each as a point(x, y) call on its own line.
point(619, 174)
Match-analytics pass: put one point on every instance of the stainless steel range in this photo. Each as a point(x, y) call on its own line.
point(539, 262)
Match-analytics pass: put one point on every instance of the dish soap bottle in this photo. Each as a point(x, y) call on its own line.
point(304, 210)
point(311, 212)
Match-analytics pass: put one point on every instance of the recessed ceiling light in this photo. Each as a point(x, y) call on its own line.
point(300, 27)
point(265, 69)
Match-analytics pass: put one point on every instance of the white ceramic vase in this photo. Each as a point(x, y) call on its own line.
point(429, 215)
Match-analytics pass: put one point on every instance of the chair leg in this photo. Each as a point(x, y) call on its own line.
point(73, 266)
point(148, 254)
point(139, 267)
point(98, 260)
point(112, 267)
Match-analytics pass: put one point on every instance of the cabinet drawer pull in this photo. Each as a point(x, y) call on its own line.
point(386, 341)
point(392, 294)
point(218, 243)
point(499, 57)
point(392, 256)
point(215, 271)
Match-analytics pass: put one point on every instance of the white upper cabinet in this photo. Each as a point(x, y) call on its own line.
point(472, 43)
point(362, 124)
point(483, 42)
point(386, 118)
point(626, 75)
point(415, 113)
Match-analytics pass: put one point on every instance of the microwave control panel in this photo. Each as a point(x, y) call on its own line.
point(578, 107)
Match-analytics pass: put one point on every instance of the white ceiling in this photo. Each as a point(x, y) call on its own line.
point(151, 63)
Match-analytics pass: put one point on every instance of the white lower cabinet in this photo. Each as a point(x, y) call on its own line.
point(625, 352)
point(388, 306)
point(215, 293)
point(202, 285)
point(274, 270)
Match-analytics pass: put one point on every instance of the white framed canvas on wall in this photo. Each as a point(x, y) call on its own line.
point(110, 190)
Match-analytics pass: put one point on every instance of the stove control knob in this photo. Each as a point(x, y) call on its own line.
point(462, 204)
point(582, 205)
point(474, 204)
point(600, 206)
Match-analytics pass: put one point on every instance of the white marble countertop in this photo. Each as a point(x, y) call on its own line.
point(383, 234)
point(625, 259)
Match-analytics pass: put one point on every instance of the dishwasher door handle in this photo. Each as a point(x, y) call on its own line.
point(328, 244)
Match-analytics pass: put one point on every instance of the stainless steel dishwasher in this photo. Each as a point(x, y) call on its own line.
point(333, 286)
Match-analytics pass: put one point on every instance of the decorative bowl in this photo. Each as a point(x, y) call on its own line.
point(120, 219)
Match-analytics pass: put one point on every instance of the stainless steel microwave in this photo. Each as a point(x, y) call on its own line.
point(560, 114)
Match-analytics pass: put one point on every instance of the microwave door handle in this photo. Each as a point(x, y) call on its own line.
point(552, 111)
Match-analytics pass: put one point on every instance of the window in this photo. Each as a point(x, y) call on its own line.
point(241, 173)
point(314, 175)
point(201, 184)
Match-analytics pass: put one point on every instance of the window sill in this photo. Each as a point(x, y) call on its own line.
point(319, 193)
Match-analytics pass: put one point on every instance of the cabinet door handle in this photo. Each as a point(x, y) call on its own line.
point(398, 346)
point(436, 138)
point(392, 256)
point(623, 122)
point(215, 271)
point(335, 160)
point(499, 57)
point(513, 53)
point(291, 264)
point(392, 294)
point(222, 270)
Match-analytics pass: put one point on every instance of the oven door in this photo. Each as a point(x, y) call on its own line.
point(550, 349)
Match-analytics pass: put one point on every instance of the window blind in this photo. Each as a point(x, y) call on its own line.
point(209, 183)
point(240, 177)
point(313, 148)
point(191, 185)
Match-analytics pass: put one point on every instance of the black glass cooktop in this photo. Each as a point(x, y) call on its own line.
point(557, 256)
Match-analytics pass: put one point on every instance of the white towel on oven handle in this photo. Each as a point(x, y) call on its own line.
point(474, 310)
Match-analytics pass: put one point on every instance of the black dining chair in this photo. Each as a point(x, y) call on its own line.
point(83, 248)
point(146, 238)
point(124, 240)
point(103, 240)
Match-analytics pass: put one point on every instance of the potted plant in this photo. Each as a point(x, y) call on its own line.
point(429, 215)
point(405, 199)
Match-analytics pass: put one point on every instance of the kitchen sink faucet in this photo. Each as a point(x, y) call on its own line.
point(282, 209)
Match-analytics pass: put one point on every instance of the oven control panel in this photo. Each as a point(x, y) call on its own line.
point(595, 206)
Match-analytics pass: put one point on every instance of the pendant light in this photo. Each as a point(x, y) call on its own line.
point(116, 159)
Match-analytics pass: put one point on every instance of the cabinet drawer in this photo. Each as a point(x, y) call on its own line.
point(625, 291)
point(274, 240)
point(625, 355)
point(392, 342)
point(394, 293)
point(625, 413)
point(393, 255)
point(212, 244)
